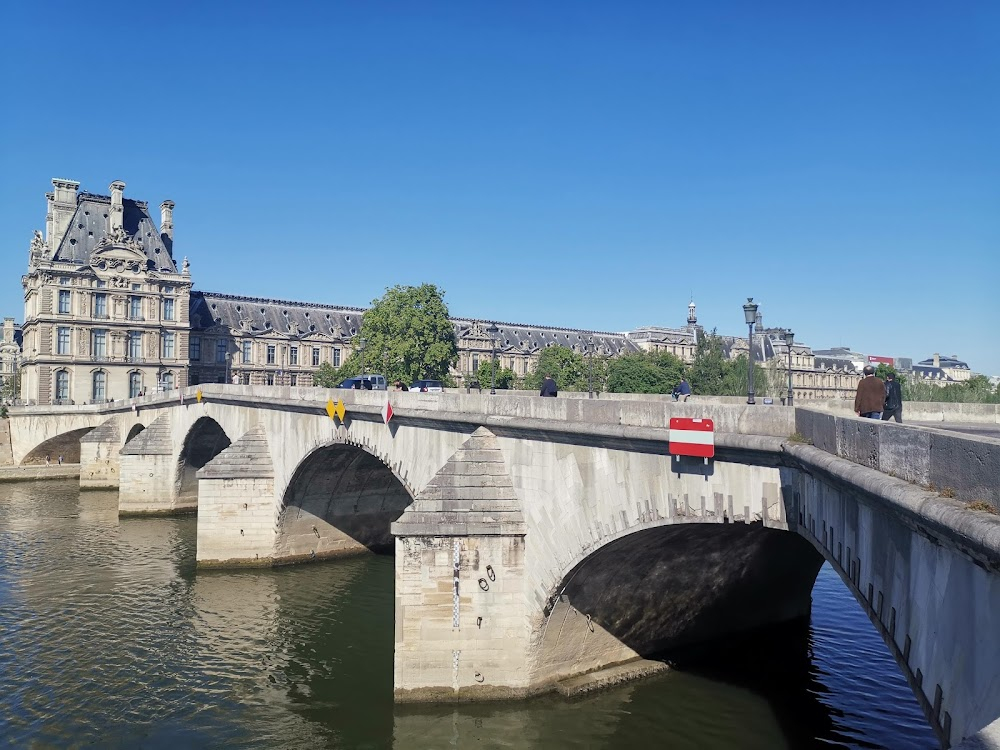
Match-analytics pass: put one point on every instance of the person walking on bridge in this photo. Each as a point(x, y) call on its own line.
point(893, 399)
point(870, 398)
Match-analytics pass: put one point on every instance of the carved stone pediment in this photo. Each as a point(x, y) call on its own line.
point(118, 252)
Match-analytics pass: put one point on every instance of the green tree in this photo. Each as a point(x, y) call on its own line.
point(506, 379)
point(706, 374)
point(643, 372)
point(565, 366)
point(327, 376)
point(408, 334)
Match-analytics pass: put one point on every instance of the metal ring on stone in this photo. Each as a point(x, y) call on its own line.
point(484, 584)
point(590, 624)
point(479, 677)
point(490, 573)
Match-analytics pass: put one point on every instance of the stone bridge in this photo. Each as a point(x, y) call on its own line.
point(537, 540)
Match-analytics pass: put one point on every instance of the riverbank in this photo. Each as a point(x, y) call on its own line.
point(36, 473)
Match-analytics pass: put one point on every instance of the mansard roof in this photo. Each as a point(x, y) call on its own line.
point(529, 338)
point(90, 225)
point(260, 315)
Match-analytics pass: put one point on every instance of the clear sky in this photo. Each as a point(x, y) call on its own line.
point(592, 165)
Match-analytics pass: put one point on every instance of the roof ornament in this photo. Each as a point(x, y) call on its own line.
point(118, 236)
point(37, 246)
point(186, 267)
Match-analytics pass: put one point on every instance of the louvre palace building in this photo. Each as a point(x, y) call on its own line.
point(110, 313)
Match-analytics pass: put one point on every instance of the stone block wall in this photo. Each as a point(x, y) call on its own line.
point(236, 521)
point(461, 629)
point(99, 465)
point(146, 485)
point(966, 467)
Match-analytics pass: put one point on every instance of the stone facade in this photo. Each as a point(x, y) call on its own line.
point(109, 315)
point(105, 306)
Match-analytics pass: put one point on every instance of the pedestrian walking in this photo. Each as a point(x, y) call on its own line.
point(893, 399)
point(60, 460)
point(549, 387)
point(870, 398)
point(47, 461)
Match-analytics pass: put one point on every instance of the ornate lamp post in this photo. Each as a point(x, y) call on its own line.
point(361, 348)
point(229, 359)
point(590, 371)
point(789, 338)
point(493, 331)
point(750, 314)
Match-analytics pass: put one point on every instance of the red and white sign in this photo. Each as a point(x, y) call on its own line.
point(885, 360)
point(387, 412)
point(692, 437)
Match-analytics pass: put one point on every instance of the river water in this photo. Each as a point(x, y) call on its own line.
point(110, 638)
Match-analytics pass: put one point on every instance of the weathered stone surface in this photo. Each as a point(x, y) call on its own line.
point(155, 440)
point(249, 457)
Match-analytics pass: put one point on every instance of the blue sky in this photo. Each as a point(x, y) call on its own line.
point(592, 165)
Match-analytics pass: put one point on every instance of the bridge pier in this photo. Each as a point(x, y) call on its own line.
point(99, 460)
point(236, 504)
point(148, 475)
point(461, 630)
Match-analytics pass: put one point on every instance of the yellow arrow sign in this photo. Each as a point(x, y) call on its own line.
point(341, 409)
point(331, 409)
point(197, 395)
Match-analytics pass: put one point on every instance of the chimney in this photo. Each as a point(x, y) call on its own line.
point(937, 359)
point(117, 218)
point(8, 330)
point(167, 218)
point(62, 206)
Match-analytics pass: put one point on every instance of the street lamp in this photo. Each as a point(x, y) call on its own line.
point(750, 313)
point(493, 331)
point(590, 373)
point(229, 360)
point(361, 348)
point(789, 338)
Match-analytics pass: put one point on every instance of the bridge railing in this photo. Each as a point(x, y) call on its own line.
point(957, 465)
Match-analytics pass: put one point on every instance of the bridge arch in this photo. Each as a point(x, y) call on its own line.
point(66, 444)
point(205, 440)
point(341, 500)
point(134, 431)
point(661, 587)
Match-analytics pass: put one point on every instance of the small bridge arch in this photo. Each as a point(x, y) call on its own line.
point(341, 500)
point(65, 445)
point(205, 440)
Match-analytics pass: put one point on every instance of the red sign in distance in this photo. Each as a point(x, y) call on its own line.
point(692, 437)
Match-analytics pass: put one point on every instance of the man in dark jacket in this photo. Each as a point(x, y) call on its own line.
point(548, 387)
point(870, 398)
point(893, 399)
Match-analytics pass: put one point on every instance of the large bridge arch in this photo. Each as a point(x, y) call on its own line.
point(65, 445)
point(341, 500)
point(667, 585)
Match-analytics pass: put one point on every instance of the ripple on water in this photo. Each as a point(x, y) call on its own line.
point(111, 638)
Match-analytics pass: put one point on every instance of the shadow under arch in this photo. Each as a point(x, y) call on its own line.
point(204, 441)
point(340, 501)
point(671, 586)
point(136, 429)
point(66, 445)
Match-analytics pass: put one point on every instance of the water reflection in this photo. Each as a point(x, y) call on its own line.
point(111, 638)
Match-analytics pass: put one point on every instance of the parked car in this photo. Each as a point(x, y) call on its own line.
point(365, 382)
point(427, 386)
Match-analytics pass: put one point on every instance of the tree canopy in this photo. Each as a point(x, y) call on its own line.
point(565, 366)
point(644, 372)
point(506, 379)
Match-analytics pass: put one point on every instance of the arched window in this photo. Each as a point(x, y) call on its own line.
point(62, 385)
point(168, 381)
point(100, 386)
point(134, 384)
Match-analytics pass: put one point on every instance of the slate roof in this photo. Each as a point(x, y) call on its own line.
point(90, 224)
point(527, 338)
point(284, 317)
point(266, 315)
